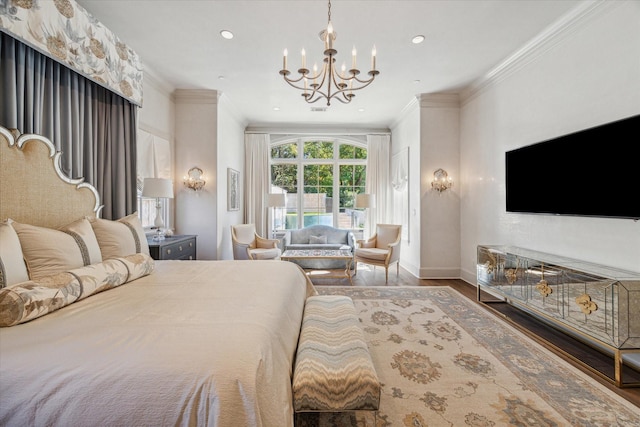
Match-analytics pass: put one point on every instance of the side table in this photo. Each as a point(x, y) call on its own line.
point(182, 247)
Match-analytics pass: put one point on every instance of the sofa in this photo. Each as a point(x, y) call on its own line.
point(319, 237)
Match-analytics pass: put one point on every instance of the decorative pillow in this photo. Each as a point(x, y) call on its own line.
point(120, 238)
point(371, 244)
point(48, 251)
point(12, 267)
point(28, 300)
point(317, 240)
point(31, 299)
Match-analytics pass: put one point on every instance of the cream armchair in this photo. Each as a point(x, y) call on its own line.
point(383, 248)
point(248, 245)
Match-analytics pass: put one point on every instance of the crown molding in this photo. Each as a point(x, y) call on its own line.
point(439, 100)
point(196, 96)
point(552, 35)
point(305, 129)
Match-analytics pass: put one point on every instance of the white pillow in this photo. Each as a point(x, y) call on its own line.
point(317, 240)
point(120, 238)
point(12, 267)
point(48, 251)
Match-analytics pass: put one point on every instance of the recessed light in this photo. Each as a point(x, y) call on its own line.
point(361, 110)
point(220, 77)
point(416, 81)
point(417, 39)
point(226, 34)
point(276, 108)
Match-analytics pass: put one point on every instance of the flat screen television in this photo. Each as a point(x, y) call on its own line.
point(594, 172)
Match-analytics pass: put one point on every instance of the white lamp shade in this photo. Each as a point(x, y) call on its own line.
point(365, 201)
point(157, 187)
point(276, 200)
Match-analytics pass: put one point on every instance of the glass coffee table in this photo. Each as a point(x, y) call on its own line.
point(341, 254)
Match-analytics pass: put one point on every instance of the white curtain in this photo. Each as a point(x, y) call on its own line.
point(378, 161)
point(153, 156)
point(257, 182)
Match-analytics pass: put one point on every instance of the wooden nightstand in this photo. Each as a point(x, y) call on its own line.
point(175, 247)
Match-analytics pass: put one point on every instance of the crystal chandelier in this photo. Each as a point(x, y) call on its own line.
point(329, 83)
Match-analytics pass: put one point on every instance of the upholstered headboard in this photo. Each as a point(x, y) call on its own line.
point(33, 188)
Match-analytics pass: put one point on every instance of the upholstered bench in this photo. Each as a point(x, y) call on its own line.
point(333, 369)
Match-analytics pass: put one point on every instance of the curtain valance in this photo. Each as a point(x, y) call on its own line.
point(67, 33)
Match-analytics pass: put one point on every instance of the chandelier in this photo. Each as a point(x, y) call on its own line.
point(329, 83)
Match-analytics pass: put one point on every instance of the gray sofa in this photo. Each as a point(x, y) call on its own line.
point(319, 237)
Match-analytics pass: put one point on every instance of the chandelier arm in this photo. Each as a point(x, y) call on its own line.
point(315, 86)
point(368, 81)
point(291, 83)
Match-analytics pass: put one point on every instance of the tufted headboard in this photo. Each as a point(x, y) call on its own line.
point(33, 188)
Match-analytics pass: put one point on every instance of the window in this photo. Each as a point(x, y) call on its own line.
point(321, 177)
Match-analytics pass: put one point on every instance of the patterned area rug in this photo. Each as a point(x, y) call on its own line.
point(445, 361)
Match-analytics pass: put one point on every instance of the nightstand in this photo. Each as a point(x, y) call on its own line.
point(173, 247)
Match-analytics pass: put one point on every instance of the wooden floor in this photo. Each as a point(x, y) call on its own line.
point(369, 276)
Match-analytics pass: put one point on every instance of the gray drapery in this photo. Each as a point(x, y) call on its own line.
point(94, 128)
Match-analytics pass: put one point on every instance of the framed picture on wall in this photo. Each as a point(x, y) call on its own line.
point(233, 190)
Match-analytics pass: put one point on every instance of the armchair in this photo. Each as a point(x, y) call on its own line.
point(383, 248)
point(248, 245)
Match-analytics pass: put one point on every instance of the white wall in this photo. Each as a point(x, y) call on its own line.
point(196, 146)
point(440, 212)
point(230, 155)
point(586, 76)
point(406, 134)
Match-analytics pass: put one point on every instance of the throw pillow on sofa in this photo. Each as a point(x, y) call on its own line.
point(316, 240)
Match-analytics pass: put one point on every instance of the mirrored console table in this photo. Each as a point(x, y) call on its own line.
point(595, 304)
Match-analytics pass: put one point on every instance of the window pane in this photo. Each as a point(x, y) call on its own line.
point(318, 195)
point(318, 150)
point(350, 177)
point(285, 151)
point(348, 151)
point(285, 177)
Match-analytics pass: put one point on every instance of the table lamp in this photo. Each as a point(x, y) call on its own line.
point(158, 188)
point(275, 200)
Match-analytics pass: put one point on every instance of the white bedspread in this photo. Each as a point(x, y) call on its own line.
point(195, 343)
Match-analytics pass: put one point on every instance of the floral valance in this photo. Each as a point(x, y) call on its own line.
point(66, 32)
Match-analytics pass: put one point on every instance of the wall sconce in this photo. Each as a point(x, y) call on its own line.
point(441, 181)
point(193, 180)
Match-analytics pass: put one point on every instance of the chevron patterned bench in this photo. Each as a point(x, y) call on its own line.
point(333, 369)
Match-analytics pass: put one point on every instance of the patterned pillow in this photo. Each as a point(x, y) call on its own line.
point(12, 267)
point(317, 240)
point(32, 299)
point(120, 238)
point(48, 251)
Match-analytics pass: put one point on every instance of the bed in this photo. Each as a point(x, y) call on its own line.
point(120, 339)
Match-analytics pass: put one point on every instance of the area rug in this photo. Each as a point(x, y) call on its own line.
point(445, 361)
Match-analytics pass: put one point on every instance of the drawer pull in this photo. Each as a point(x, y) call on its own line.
point(190, 244)
point(180, 248)
point(168, 251)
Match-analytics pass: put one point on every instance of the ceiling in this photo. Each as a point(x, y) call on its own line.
point(180, 42)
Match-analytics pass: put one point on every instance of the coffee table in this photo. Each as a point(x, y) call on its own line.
point(343, 254)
